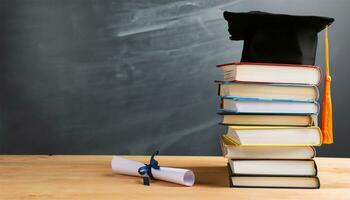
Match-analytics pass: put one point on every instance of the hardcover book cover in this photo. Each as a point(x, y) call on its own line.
point(233, 185)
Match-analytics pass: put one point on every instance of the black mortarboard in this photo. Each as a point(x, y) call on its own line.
point(276, 38)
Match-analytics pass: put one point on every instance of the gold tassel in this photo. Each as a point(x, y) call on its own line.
point(327, 115)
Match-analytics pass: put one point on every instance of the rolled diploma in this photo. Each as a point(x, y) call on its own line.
point(174, 175)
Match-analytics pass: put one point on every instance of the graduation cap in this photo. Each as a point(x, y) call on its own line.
point(287, 39)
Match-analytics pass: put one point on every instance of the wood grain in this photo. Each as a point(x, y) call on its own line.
point(90, 177)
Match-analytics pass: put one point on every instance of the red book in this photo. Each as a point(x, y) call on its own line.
point(271, 73)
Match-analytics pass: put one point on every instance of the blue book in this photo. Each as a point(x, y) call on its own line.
point(278, 92)
point(268, 106)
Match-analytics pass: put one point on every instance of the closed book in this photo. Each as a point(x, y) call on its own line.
point(266, 152)
point(273, 167)
point(273, 136)
point(266, 119)
point(275, 182)
point(271, 73)
point(292, 182)
point(264, 106)
point(269, 91)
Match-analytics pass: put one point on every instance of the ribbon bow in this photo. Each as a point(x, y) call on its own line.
point(147, 169)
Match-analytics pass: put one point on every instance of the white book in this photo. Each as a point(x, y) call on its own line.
point(273, 136)
point(273, 167)
point(267, 152)
point(268, 91)
point(271, 73)
point(268, 107)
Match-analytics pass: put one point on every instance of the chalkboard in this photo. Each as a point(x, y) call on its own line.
point(131, 77)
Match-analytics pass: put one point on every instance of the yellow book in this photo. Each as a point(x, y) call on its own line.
point(273, 136)
point(268, 120)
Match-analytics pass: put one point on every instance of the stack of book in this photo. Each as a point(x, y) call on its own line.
point(271, 114)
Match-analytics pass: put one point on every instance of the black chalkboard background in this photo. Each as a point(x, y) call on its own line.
point(130, 77)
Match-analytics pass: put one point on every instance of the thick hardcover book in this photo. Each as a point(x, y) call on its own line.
point(271, 73)
point(276, 92)
point(267, 152)
point(292, 182)
point(252, 119)
point(267, 106)
point(273, 136)
point(273, 167)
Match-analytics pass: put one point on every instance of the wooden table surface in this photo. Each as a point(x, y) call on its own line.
point(90, 177)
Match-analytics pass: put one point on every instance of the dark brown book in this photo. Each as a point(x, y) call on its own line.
point(263, 181)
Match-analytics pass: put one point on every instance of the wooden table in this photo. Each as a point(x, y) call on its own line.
point(90, 177)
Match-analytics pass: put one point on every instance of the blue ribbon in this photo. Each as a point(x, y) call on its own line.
point(147, 169)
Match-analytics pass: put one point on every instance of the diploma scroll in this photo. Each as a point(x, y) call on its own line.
point(175, 175)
